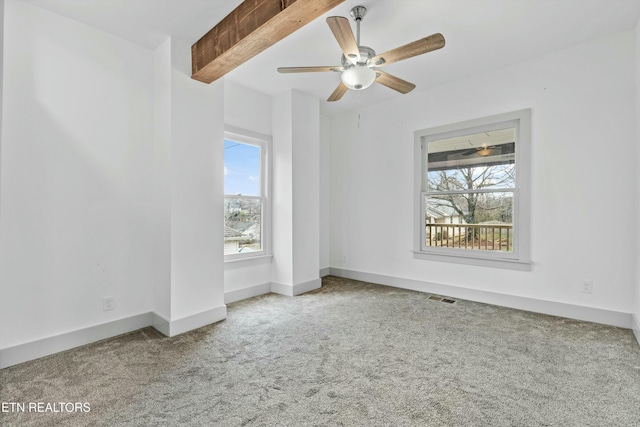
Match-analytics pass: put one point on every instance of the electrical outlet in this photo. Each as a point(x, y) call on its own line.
point(108, 303)
point(586, 287)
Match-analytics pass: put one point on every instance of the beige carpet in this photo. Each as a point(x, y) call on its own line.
point(352, 354)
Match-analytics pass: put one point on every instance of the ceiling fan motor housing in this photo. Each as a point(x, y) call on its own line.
point(366, 53)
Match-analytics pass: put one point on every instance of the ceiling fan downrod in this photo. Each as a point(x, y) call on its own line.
point(357, 13)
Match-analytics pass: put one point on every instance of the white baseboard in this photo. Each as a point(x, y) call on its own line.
point(251, 291)
point(298, 289)
point(325, 271)
point(195, 321)
point(43, 347)
point(589, 314)
point(35, 349)
point(276, 288)
point(636, 326)
point(161, 324)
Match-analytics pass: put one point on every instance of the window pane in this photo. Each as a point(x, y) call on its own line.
point(241, 168)
point(480, 221)
point(242, 225)
point(470, 162)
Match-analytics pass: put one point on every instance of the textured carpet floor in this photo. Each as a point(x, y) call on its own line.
point(351, 353)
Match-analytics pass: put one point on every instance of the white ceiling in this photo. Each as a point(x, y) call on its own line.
point(480, 35)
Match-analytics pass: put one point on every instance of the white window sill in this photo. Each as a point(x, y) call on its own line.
point(248, 260)
point(508, 264)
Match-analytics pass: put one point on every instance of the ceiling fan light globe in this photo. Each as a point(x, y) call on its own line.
point(358, 78)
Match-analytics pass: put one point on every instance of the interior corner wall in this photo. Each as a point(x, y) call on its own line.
point(1, 81)
point(282, 194)
point(76, 176)
point(162, 180)
point(325, 192)
point(296, 188)
point(636, 326)
point(306, 187)
point(583, 102)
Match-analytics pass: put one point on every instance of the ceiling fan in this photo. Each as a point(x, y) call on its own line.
point(359, 68)
point(482, 151)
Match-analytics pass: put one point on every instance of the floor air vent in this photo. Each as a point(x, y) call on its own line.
point(441, 299)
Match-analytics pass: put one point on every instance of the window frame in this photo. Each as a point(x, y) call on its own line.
point(262, 141)
point(519, 258)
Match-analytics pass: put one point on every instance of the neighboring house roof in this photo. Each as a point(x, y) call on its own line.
point(231, 233)
point(440, 211)
point(253, 230)
point(243, 226)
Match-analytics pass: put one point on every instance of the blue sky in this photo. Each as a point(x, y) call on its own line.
point(241, 168)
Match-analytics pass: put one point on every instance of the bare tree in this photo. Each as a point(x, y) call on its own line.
point(467, 179)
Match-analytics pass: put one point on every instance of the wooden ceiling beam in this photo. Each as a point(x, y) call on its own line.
point(251, 28)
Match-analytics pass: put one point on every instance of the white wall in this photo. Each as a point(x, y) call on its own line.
point(197, 110)
point(162, 180)
point(325, 192)
point(282, 195)
point(306, 187)
point(249, 110)
point(293, 120)
point(583, 104)
point(76, 176)
point(1, 78)
point(246, 108)
point(296, 193)
point(637, 263)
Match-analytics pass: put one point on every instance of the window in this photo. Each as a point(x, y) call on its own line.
point(472, 182)
point(245, 194)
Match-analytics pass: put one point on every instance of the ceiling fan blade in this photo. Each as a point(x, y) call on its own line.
point(308, 69)
point(344, 35)
point(394, 82)
point(337, 94)
point(418, 47)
